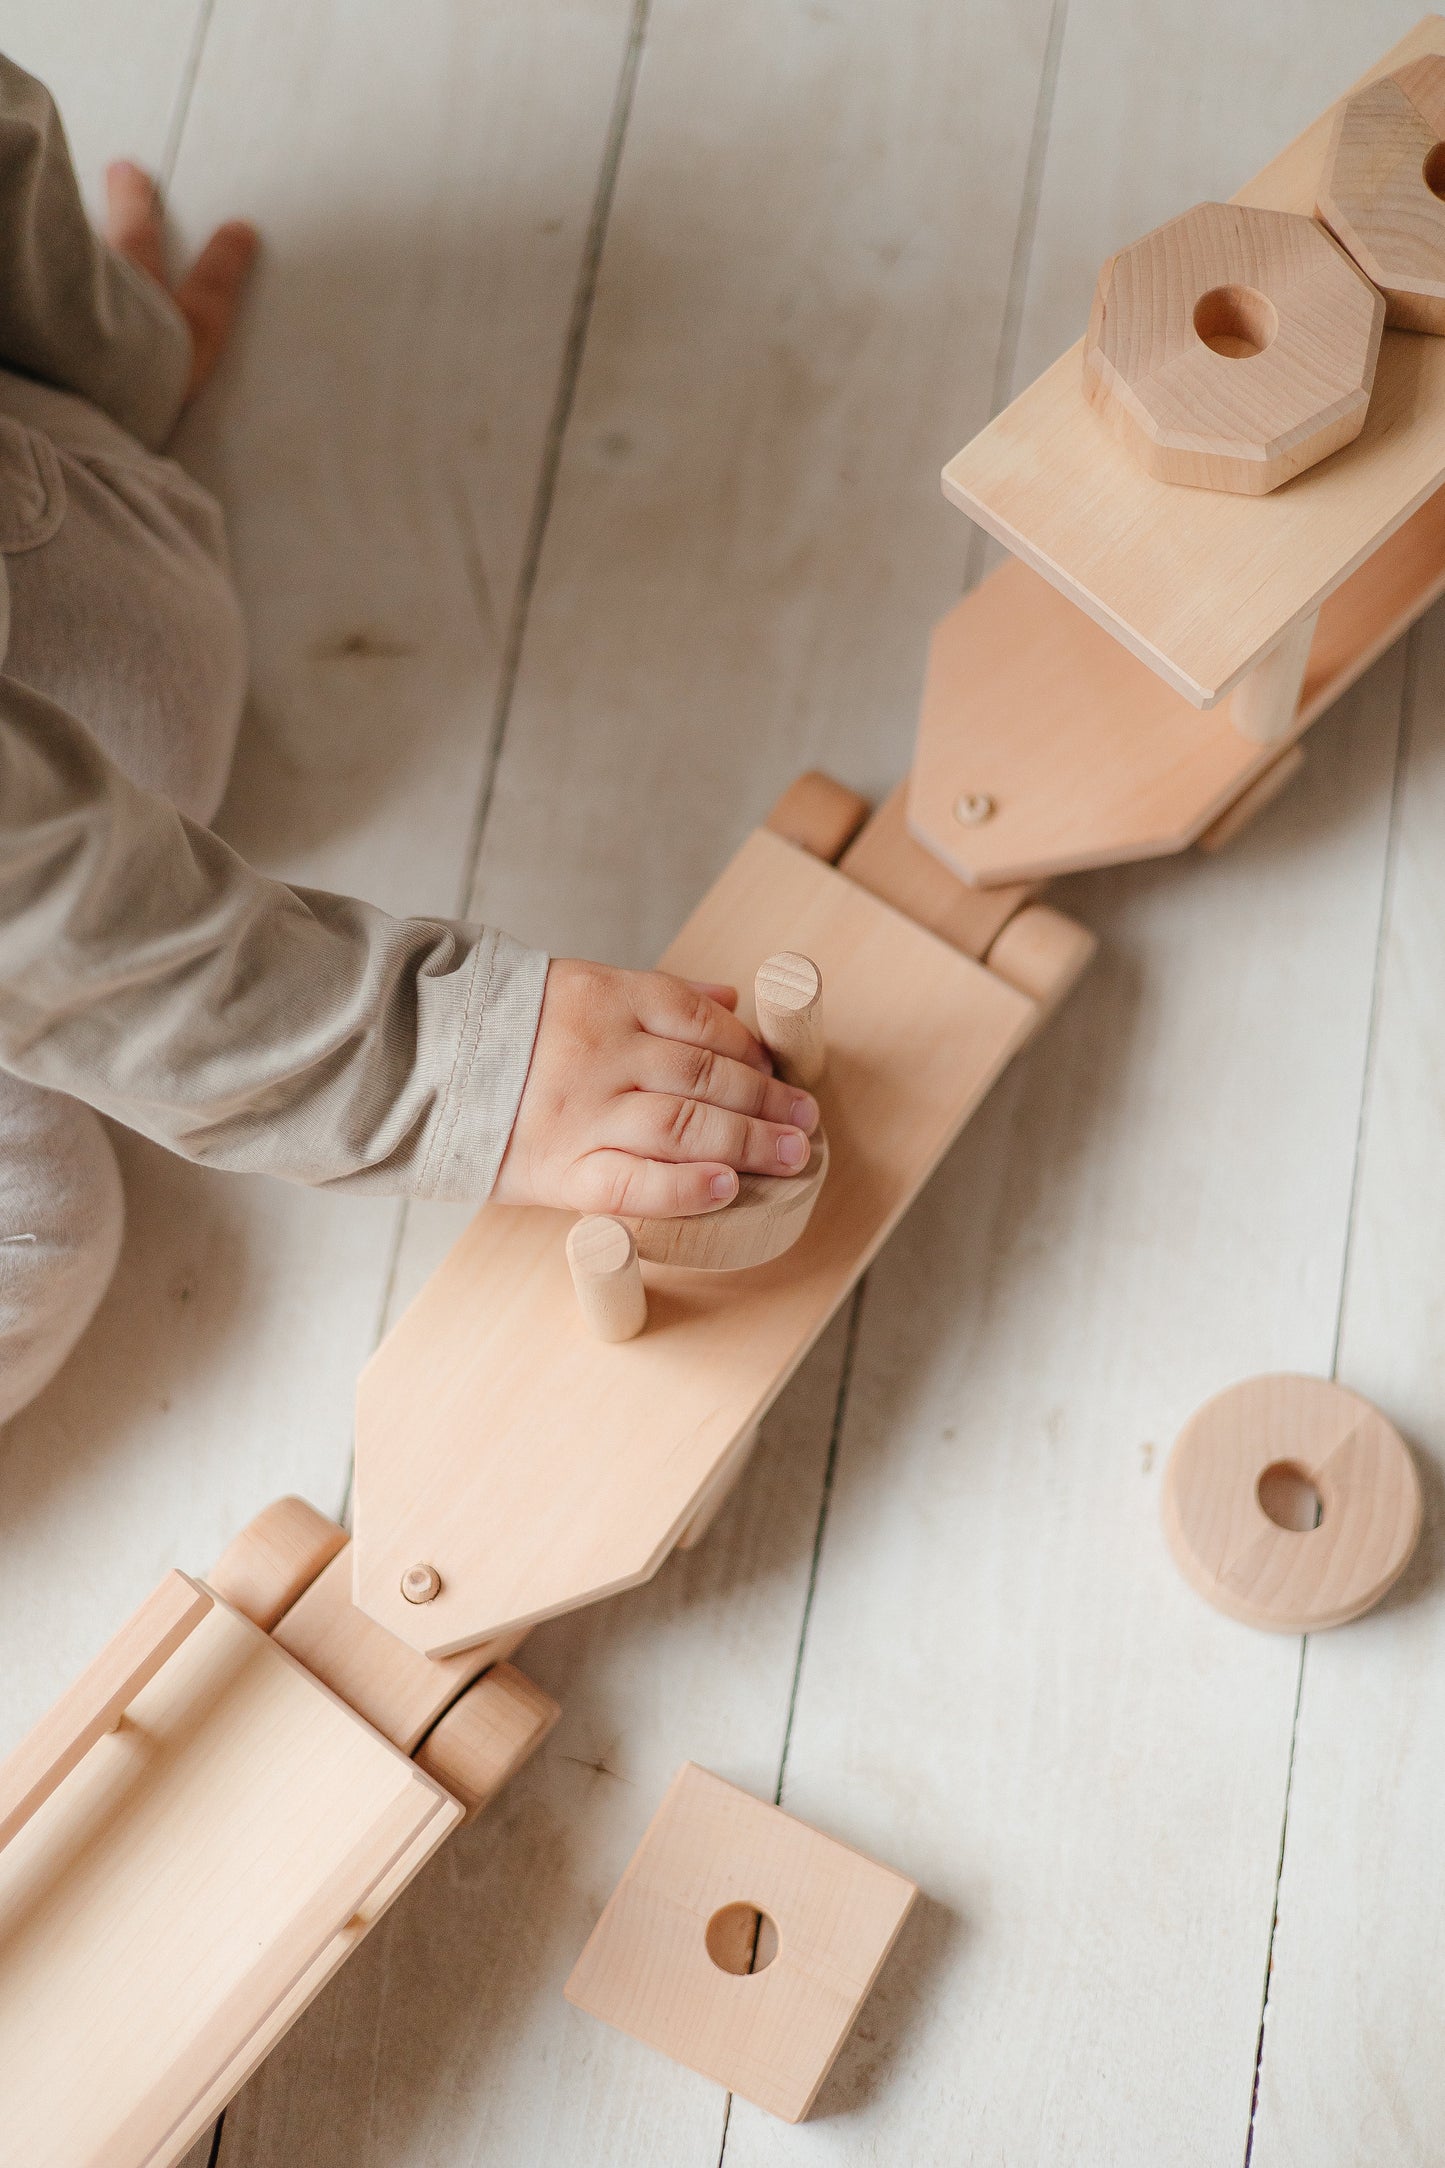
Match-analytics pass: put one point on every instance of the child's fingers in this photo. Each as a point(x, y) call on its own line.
point(726, 997)
point(133, 217)
point(675, 1010)
point(620, 1182)
point(696, 1072)
point(659, 1125)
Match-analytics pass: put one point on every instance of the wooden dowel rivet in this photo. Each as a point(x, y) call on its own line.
point(788, 994)
point(421, 1583)
point(973, 808)
point(606, 1274)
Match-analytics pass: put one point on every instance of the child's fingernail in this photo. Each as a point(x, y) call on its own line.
point(792, 1151)
point(805, 1114)
point(723, 1185)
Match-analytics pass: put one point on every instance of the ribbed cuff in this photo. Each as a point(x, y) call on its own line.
point(475, 1118)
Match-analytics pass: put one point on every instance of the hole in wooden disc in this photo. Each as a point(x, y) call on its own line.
point(1235, 321)
point(742, 1938)
point(1434, 169)
point(1289, 1498)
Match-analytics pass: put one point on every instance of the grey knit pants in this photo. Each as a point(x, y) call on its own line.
point(122, 611)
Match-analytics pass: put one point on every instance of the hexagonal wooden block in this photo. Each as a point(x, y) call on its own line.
point(1380, 190)
point(1233, 347)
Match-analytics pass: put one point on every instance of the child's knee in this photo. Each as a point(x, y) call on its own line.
point(61, 1217)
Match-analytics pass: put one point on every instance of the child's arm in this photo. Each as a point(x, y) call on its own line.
point(148, 970)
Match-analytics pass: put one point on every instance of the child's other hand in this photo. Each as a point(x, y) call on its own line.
point(646, 1097)
point(210, 293)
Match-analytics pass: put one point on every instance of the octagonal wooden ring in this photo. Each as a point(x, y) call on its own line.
point(1256, 1450)
point(1232, 347)
point(1380, 190)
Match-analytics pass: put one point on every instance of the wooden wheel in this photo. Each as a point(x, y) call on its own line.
point(819, 815)
point(486, 1735)
point(263, 1570)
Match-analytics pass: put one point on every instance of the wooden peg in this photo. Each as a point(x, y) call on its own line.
point(788, 992)
point(1263, 705)
point(607, 1277)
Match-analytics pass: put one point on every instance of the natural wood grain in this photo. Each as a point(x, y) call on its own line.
point(98, 1699)
point(163, 1902)
point(1375, 191)
point(1232, 348)
point(540, 1470)
point(484, 1738)
point(1263, 705)
point(766, 1217)
point(819, 814)
point(275, 1556)
point(718, 1492)
point(788, 1004)
point(1328, 1445)
point(1042, 953)
point(1089, 758)
point(767, 2030)
point(1345, 2076)
point(887, 861)
point(1250, 803)
point(607, 1278)
point(1200, 587)
point(392, 1685)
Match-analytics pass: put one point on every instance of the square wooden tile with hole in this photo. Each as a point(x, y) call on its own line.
point(741, 1943)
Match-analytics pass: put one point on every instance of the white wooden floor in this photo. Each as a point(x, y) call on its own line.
point(581, 452)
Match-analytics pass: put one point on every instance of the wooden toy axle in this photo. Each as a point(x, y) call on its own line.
point(1264, 704)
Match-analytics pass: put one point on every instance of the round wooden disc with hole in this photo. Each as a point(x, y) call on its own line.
point(1291, 1503)
point(766, 1217)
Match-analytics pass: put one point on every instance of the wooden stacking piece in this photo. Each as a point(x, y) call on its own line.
point(534, 1469)
point(1233, 347)
point(485, 1737)
point(1201, 583)
point(1382, 190)
point(602, 1255)
point(788, 997)
point(167, 1912)
point(741, 1943)
point(276, 1555)
point(1290, 1503)
point(766, 1217)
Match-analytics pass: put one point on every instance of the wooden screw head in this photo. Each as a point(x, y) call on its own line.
point(973, 809)
point(1290, 1503)
point(1232, 347)
point(1382, 191)
point(419, 1584)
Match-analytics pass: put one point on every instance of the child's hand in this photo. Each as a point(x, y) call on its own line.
point(210, 293)
point(644, 1096)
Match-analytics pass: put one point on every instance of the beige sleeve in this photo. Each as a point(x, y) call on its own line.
point(72, 312)
point(148, 970)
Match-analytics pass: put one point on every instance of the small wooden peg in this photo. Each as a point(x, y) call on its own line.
point(1264, 703)
point(607, 1277)
point(788, 992)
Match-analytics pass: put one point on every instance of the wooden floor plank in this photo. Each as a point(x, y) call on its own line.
point(800, 300)
point(1349, 2073)
point(1082, 1766)
point(1007, 1691)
